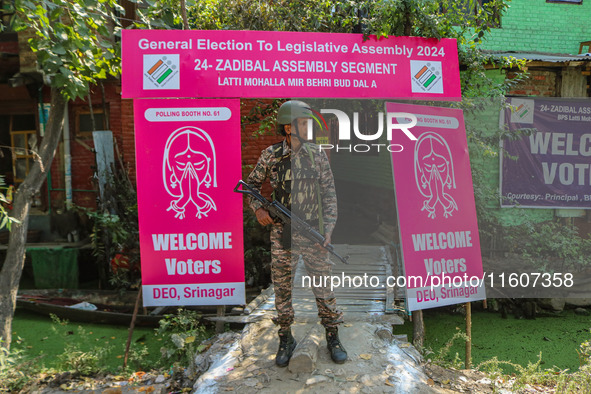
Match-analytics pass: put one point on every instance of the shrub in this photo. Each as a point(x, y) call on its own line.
point(16, 371)
point(80, 355)
point(181, 334)
point(551, 246)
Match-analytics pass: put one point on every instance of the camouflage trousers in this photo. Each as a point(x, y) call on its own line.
point(283, 267)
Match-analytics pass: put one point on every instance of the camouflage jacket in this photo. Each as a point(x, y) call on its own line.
point(266, 168)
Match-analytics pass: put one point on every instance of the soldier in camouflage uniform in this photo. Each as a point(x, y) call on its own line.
point(300, 173)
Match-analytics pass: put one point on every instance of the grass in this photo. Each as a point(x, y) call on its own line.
point(517, 340)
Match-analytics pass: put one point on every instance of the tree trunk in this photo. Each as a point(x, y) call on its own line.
point(15, 256)
point(184, 15)
point(407, 18)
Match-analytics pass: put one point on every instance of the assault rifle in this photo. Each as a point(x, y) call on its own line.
point(279, 211)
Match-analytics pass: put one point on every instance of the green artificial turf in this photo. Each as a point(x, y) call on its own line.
point(517, 340)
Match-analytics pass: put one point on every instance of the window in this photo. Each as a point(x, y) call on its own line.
point(84, 121)
point(23, 140)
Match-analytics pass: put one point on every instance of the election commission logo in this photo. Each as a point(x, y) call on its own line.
point(434, 175)
point(161, 72)
point(522, 111)
point(188, 171)
point(426, 77)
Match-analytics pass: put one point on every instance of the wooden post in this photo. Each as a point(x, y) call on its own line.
point(468, 363)
point(306, 353)
point(132, 325)
point(219, 325)
point(418, 329)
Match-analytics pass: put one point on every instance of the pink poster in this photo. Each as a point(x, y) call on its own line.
point(230, 63)
point(436, 209)
point(190, 220)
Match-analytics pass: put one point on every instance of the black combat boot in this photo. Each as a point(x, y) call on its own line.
point(337, 351)
point(287, 344)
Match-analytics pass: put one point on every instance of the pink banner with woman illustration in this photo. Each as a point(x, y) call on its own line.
point(436, 208)
point(190, 220)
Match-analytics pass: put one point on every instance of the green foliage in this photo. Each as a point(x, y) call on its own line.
point(108, 223)
point(5, 219)
point(576, 382)
point(7, 13)
point(466, 21)
point(115, 232)
point(74, 41)
point(264, 114)
point(182, 334)
point(442, 356)
point(15, 370)
point(282, 15)
point(257, 251)
point(560, 381)
point(138, 358)
point(551, 245)
point(83, 363)
point(531, 374)
point(80, 355)
point(114, 240)
point(585, 353)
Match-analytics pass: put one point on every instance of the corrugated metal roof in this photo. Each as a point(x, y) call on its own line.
point(542, 57)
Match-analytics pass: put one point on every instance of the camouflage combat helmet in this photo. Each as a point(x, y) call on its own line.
point(291, 110)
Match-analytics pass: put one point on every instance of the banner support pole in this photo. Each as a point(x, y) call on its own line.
point(468, 363)
point(219, 325)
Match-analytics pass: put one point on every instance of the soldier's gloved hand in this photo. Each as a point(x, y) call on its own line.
point(263, 217)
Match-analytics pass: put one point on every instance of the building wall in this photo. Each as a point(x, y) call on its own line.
point(9, 47)
point(253, 143)
point(538, 83)
point(127, 140)
point(535, 25)
point(83, 160)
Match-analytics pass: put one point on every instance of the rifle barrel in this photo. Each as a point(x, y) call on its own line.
point(277, 209)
